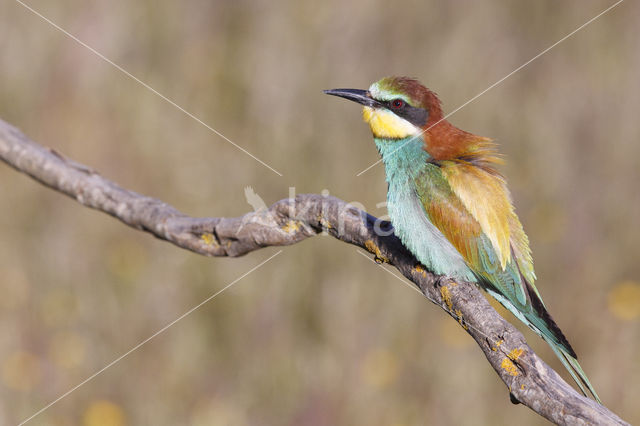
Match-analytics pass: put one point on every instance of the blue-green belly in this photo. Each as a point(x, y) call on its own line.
point(404, 160)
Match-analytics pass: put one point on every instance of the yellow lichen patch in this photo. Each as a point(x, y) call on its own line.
point(291, 227)
point(507, 363)
point(508, 366)
point(373, 248)
point(446, 297)
point(209, 239)
point(522, 387)
point(103, 413)
point(498, 343)
point(460, 320)
point(515, 354)
point(418, 269)
point(624, 301)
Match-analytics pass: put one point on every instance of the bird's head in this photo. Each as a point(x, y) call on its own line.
point(395, 107)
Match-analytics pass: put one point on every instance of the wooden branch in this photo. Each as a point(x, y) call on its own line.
point(529, 379)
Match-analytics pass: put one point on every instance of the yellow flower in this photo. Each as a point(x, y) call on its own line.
point(103, 413)
point(624, 301)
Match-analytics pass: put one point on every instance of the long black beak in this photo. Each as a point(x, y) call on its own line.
point(356, 95)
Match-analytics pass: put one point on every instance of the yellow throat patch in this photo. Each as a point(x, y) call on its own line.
point(386, 125)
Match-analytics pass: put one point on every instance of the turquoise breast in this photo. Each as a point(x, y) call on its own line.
point(404, 160)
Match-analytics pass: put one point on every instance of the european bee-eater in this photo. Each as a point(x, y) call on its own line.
point(450, 206)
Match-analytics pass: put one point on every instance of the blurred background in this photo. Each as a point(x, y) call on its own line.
point(319, 335)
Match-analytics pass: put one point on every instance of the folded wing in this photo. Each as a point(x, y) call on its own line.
point(472, 208)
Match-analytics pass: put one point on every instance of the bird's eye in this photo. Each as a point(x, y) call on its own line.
point(397, 103)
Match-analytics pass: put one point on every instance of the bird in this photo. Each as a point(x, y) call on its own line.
point(450, 206)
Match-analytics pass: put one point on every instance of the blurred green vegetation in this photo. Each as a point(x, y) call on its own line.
point(318, 336)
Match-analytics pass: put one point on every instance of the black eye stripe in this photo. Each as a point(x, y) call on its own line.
point(416, 116)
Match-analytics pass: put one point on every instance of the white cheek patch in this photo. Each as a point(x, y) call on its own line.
point(386, 125)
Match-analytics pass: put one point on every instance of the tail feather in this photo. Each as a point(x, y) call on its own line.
point(573, 367)
point(542, 322)
point(539, 320)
